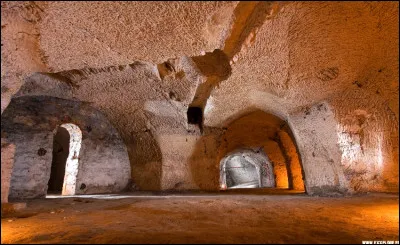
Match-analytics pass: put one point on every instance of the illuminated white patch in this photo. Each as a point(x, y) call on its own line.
point(349, 145)
point(71, 167)
point(379, 153)
point(209, 106)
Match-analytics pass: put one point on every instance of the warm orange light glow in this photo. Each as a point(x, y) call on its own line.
point(386, 214)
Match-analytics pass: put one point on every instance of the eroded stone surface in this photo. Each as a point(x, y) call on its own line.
point(7, 164)
point(103, 164)
point(143, 64)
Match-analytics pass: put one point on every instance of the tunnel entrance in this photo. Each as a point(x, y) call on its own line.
point(60, 155)
point(241, 174)
point(246, 168)
point(64, 167)
point(266, 141)
point(195, 115)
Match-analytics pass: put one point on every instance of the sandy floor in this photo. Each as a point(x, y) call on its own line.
point(205, 218)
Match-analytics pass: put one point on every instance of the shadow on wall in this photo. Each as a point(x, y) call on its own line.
point(256, 129)
point(146, 161)
point(203, 163)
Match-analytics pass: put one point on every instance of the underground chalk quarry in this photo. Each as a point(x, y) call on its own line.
point(199, 122)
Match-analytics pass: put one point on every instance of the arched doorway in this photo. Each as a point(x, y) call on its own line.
point(240, 173)
point(60, 155)
point(246, 168)
point(264, 132)
point(64, 167)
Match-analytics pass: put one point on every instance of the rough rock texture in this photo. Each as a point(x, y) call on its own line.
point(319, 150)
point(7, 163)
point(151, 113)
point(189, 161)
point(103, 160)
point(292, 158)
point(266, 132)
point(344, 53)
point(20, 50)
point(278, 160)
point(143, 64)
point(205, 219)
point(121, 32)
point(368, 132)
point(11, 208)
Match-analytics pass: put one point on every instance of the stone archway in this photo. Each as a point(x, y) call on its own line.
point(246, 168)
point(95, 145)
point(65, 161)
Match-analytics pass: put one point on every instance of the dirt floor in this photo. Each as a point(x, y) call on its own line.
point(233, 217)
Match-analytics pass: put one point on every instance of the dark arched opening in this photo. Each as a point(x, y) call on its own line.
point(64, 167)
point(60, 156)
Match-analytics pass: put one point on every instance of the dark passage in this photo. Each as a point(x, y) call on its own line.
point(60, 155)
point(195, 115)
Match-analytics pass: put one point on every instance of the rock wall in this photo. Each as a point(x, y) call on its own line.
point(263, 130)
point(7, 163)
point(228, 59)
point(21, 54)
point(31, 122)
point(152, 102)
point(189, 161)
point(293, 160)
point(279, 163)
point(367, 131)
point(32, 163)
point(345, 54)
point(314, 129)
